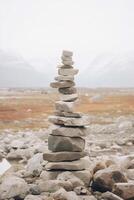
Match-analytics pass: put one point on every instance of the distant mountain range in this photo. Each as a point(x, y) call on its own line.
point(109, 70)
point(16, 72)
point(105, 70)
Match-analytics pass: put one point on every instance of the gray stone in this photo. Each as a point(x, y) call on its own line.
point(68, 62)
point(70, 132)
point(64, 106)
point(62, 194)
point(34, 165)
point(63, 156)
point(13, 186)
point(62, 84)
point(74, 122)
point(67, 53)
point(104, 180)
point(69, 176)
point(110, 196)
point(66, 114)
point(64, 78)
point(68, 98)
point(84, 175)
point(74, 165)
point(66, 58)
point(69, 90)
point(68, 72)
point(58, 143)
point(124, 190)
point(54, 185)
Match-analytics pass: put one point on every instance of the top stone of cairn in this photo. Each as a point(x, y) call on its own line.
point(67, 53)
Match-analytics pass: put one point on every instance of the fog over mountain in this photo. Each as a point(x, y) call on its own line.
point(105, 70)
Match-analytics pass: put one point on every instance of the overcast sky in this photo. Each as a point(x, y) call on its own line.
point(40, 29)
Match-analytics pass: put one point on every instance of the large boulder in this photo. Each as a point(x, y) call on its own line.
point(104, 180)
point(58, 143)
point(124, 190)
point(110, 196)
point(13, 186)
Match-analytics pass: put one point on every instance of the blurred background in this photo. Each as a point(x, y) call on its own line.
point(34, 33)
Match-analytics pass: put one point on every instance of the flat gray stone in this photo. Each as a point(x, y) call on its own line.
point(63, 156)
point(68, 114)
point(67, 62)
point(74, 165)
point(69, 90)
point(70, 132)
point(64, 78)
point(60, 143)
point(67, 53)
point(68, 72)
point(73, 122)
point(62, 84)
point(64, 106)
point(69, 98)
point(66, 58)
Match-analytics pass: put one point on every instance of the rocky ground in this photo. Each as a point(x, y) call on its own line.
point(109, 174)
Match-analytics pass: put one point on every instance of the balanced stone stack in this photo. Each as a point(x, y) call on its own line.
point(66, 143)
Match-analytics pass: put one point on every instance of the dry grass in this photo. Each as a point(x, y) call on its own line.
point(30, 111)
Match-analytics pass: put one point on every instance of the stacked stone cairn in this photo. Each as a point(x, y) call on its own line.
point(66, 143)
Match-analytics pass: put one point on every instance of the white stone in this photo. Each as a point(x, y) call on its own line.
point(4, 166)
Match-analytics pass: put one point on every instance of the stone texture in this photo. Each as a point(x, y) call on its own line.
point(68, 62)
point(67, 53)
point(13, 186)
point(68, 98)
point(70, 132)
point(104, 180)
point(63, 156)
point(69, 90)
point(34, 165)
point(68, 72)
point(54, 185)
point(69, 176)
point(124, 190)
point(74, 165)
point(64, 78)
point(61, 194)
point(110, 196)
point(58, 143)
point(64, 106)
point(66, 114)
point(33, 197)
point(84, 175)
point(66, 58)
point(62, 84)
point(74, 122)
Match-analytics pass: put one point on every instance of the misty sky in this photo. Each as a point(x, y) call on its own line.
point(40, 29)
